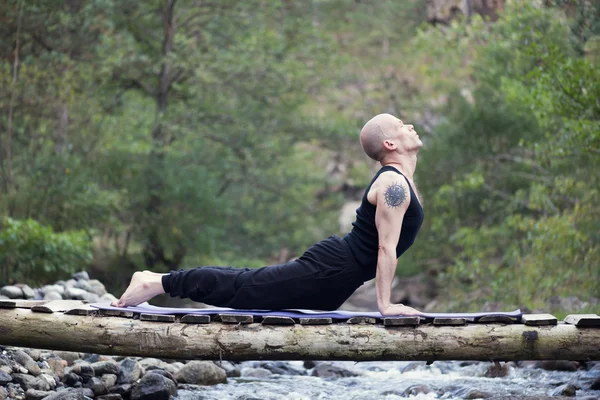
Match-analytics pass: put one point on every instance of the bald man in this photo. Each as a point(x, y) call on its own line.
point(386, 225)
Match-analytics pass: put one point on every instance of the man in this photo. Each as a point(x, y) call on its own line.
point(386, 225)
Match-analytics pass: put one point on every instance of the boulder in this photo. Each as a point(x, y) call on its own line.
point(12, 292)
point(559, 365)
point(97, 287)
point(76, 294)
point(153, 387)
point(28, 292)
point(281, 368)
point(60, 289)
point(162, 372)
point(326, 370)
point(201, 373)
point(497, 371)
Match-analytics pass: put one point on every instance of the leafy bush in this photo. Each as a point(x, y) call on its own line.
point(34, 253)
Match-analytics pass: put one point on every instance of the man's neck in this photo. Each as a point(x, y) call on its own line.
point(405, 164)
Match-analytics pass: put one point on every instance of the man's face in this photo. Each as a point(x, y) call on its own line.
point(407, 136)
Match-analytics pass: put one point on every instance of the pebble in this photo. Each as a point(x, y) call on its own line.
point(3, 393)
point(201, 373)
point(105, 367)
point(97, 287)
point(96, 385)
point(109, 380)
point(28, 292)
point(33, 394)
point(26, 361)
point(83, 275)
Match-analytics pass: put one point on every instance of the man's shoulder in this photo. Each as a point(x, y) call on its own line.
point(390, 177)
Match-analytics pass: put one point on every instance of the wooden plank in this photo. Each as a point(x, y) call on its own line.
point(401, 321)
point(157, 317)
point(117, 313)
point(316, 321)
point(236, 318)
point(57, 306)
point(195, 319)
point(275, 320)
point(583, 320)
point(538, 319)
point(18, 303)
point(362, 320)
point(499, 319)
point(85, 309)
point(450, 321)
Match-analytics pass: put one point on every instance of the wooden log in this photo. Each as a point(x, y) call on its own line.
point(583, 320)
point(24, 328)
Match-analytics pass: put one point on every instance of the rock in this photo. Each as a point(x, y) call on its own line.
point(497, 371)
point(309, 364)
point(326, 370)
point(76, 294)
point(96, 385)
point(595, 385)
point(83, 285)
point(57, 366)
point(60, 289)
point(6, 369)
point(4, 378)
point(71, 379)
point(109, 380)
point(26, 361)
point(122, 390)
point(559, 365)
point(45, 379)
point(29, 382)
point(130, 371)
point(231, 370)
point(3, 393)
point(32, 394)
point(259, 373)
point(201, 373)
point(416, 390)
point(281, 368)
point(105, 367)
point(68, 356)
point(83, 275)
point(413, 366)
point(3, 297)
point(110, 396)
point(162, 372)
point(84, 370)
point(12, 292)
point(469, 393)
point(97, 287)
point(51, 296)
point(28, 292)
point(154, 387)
point(108, 297)
point(35, 354)
point(565, 390)
point(66, 394)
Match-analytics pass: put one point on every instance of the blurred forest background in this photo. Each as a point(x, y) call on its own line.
point(167, 134)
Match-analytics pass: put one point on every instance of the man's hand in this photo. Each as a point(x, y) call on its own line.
point(398, 309)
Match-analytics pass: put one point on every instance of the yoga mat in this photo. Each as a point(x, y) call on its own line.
point(292, 313)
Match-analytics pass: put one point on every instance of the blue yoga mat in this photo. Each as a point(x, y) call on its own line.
point(292, 313)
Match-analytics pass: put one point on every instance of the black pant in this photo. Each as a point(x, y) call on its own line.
point(322, 279)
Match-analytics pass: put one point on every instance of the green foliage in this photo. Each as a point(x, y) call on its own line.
point(34, 253)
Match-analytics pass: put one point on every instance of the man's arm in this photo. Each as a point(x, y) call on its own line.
point(393, 198)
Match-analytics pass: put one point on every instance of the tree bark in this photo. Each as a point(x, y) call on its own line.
point(341, 341)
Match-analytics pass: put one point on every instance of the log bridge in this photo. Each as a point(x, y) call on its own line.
point(75, 326)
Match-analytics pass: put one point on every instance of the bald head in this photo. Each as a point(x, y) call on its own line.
point(375, 132)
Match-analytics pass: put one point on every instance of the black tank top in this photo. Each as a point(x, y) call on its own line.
point(364, 240)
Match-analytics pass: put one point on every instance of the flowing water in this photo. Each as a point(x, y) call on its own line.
point(386, 380)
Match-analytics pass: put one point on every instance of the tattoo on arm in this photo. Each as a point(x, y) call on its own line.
point(395, 195)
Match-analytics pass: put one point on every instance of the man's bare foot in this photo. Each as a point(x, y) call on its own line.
point(143, 286)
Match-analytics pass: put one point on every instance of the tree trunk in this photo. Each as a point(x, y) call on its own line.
point(340, 341)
